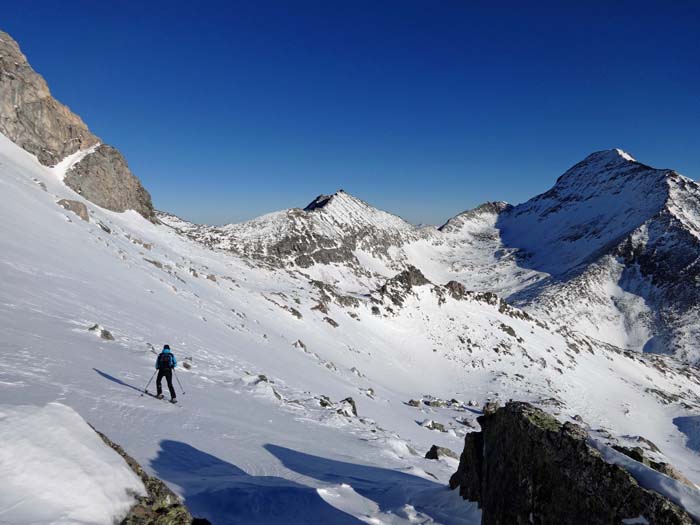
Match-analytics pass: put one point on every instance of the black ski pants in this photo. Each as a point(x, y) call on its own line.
point(166, 373)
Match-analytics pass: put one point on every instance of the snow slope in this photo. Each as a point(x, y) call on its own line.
point(55, 469)
point(261, 434)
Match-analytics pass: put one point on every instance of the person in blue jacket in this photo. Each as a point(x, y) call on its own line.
point(165, 362)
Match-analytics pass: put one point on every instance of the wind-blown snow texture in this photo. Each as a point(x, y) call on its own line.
point(277, 327)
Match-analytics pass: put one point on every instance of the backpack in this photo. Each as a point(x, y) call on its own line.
point(165, 361)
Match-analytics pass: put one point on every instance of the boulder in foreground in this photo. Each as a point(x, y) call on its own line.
point(525, 467)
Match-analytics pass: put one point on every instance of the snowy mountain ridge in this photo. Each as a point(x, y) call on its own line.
point(323, 350)
point(610, 249)
point(272, 354)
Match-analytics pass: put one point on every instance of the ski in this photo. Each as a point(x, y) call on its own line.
point(154, 396)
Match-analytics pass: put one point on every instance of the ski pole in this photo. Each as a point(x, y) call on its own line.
point(178, 382)
point(149, 381)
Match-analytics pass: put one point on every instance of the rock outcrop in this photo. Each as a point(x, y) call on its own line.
point(103, 177)
point(30, 116)
point(160, 506)
point(436, 452)
point(76, 207)
point(525, 467)
point(37, 122)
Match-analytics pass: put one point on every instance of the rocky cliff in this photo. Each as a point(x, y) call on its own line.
point(525, 467)
point(34, 120)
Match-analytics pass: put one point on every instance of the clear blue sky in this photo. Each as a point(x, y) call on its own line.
point(423, 108)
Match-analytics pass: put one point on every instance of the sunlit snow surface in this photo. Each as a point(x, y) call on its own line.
point(240, 449)
point(56, 469)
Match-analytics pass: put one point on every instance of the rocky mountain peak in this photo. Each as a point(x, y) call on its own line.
point(603, 170)
point(324, 200)
point(610, 156)
point(30, 116)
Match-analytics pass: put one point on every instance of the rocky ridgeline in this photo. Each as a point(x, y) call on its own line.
point(37, 122)
point(525, 467)
point(329, 230)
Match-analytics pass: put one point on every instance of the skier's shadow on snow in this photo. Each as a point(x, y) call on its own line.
point(116, 380)
point(227, 495)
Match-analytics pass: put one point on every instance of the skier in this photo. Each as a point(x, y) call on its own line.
point(165, 362)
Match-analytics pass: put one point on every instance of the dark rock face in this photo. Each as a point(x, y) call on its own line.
point(38, 123)
point(525, 467)
point(160, 506)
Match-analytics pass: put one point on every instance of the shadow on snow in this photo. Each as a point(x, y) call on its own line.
point(690, 426)
point(391, 490)
point(117, 380)
point(227, 495)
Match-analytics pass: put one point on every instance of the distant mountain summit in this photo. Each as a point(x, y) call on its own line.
point(610, 250)
point(37, 122)
point(331, 229)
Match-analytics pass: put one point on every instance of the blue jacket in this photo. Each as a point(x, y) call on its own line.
point(173, 360)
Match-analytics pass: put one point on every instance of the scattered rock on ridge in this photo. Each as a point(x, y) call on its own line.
point(104, 334)
point(331, 322)
point(637, 454)
point(436, 452)
point(399, 286)
point(526, 467)
point(76, 207)
point(347, 407)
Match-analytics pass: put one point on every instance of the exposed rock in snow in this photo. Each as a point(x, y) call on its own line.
point(76, 207)
point(436, 452)
point(103, 333)
point(347, 407)
point(526, 467)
